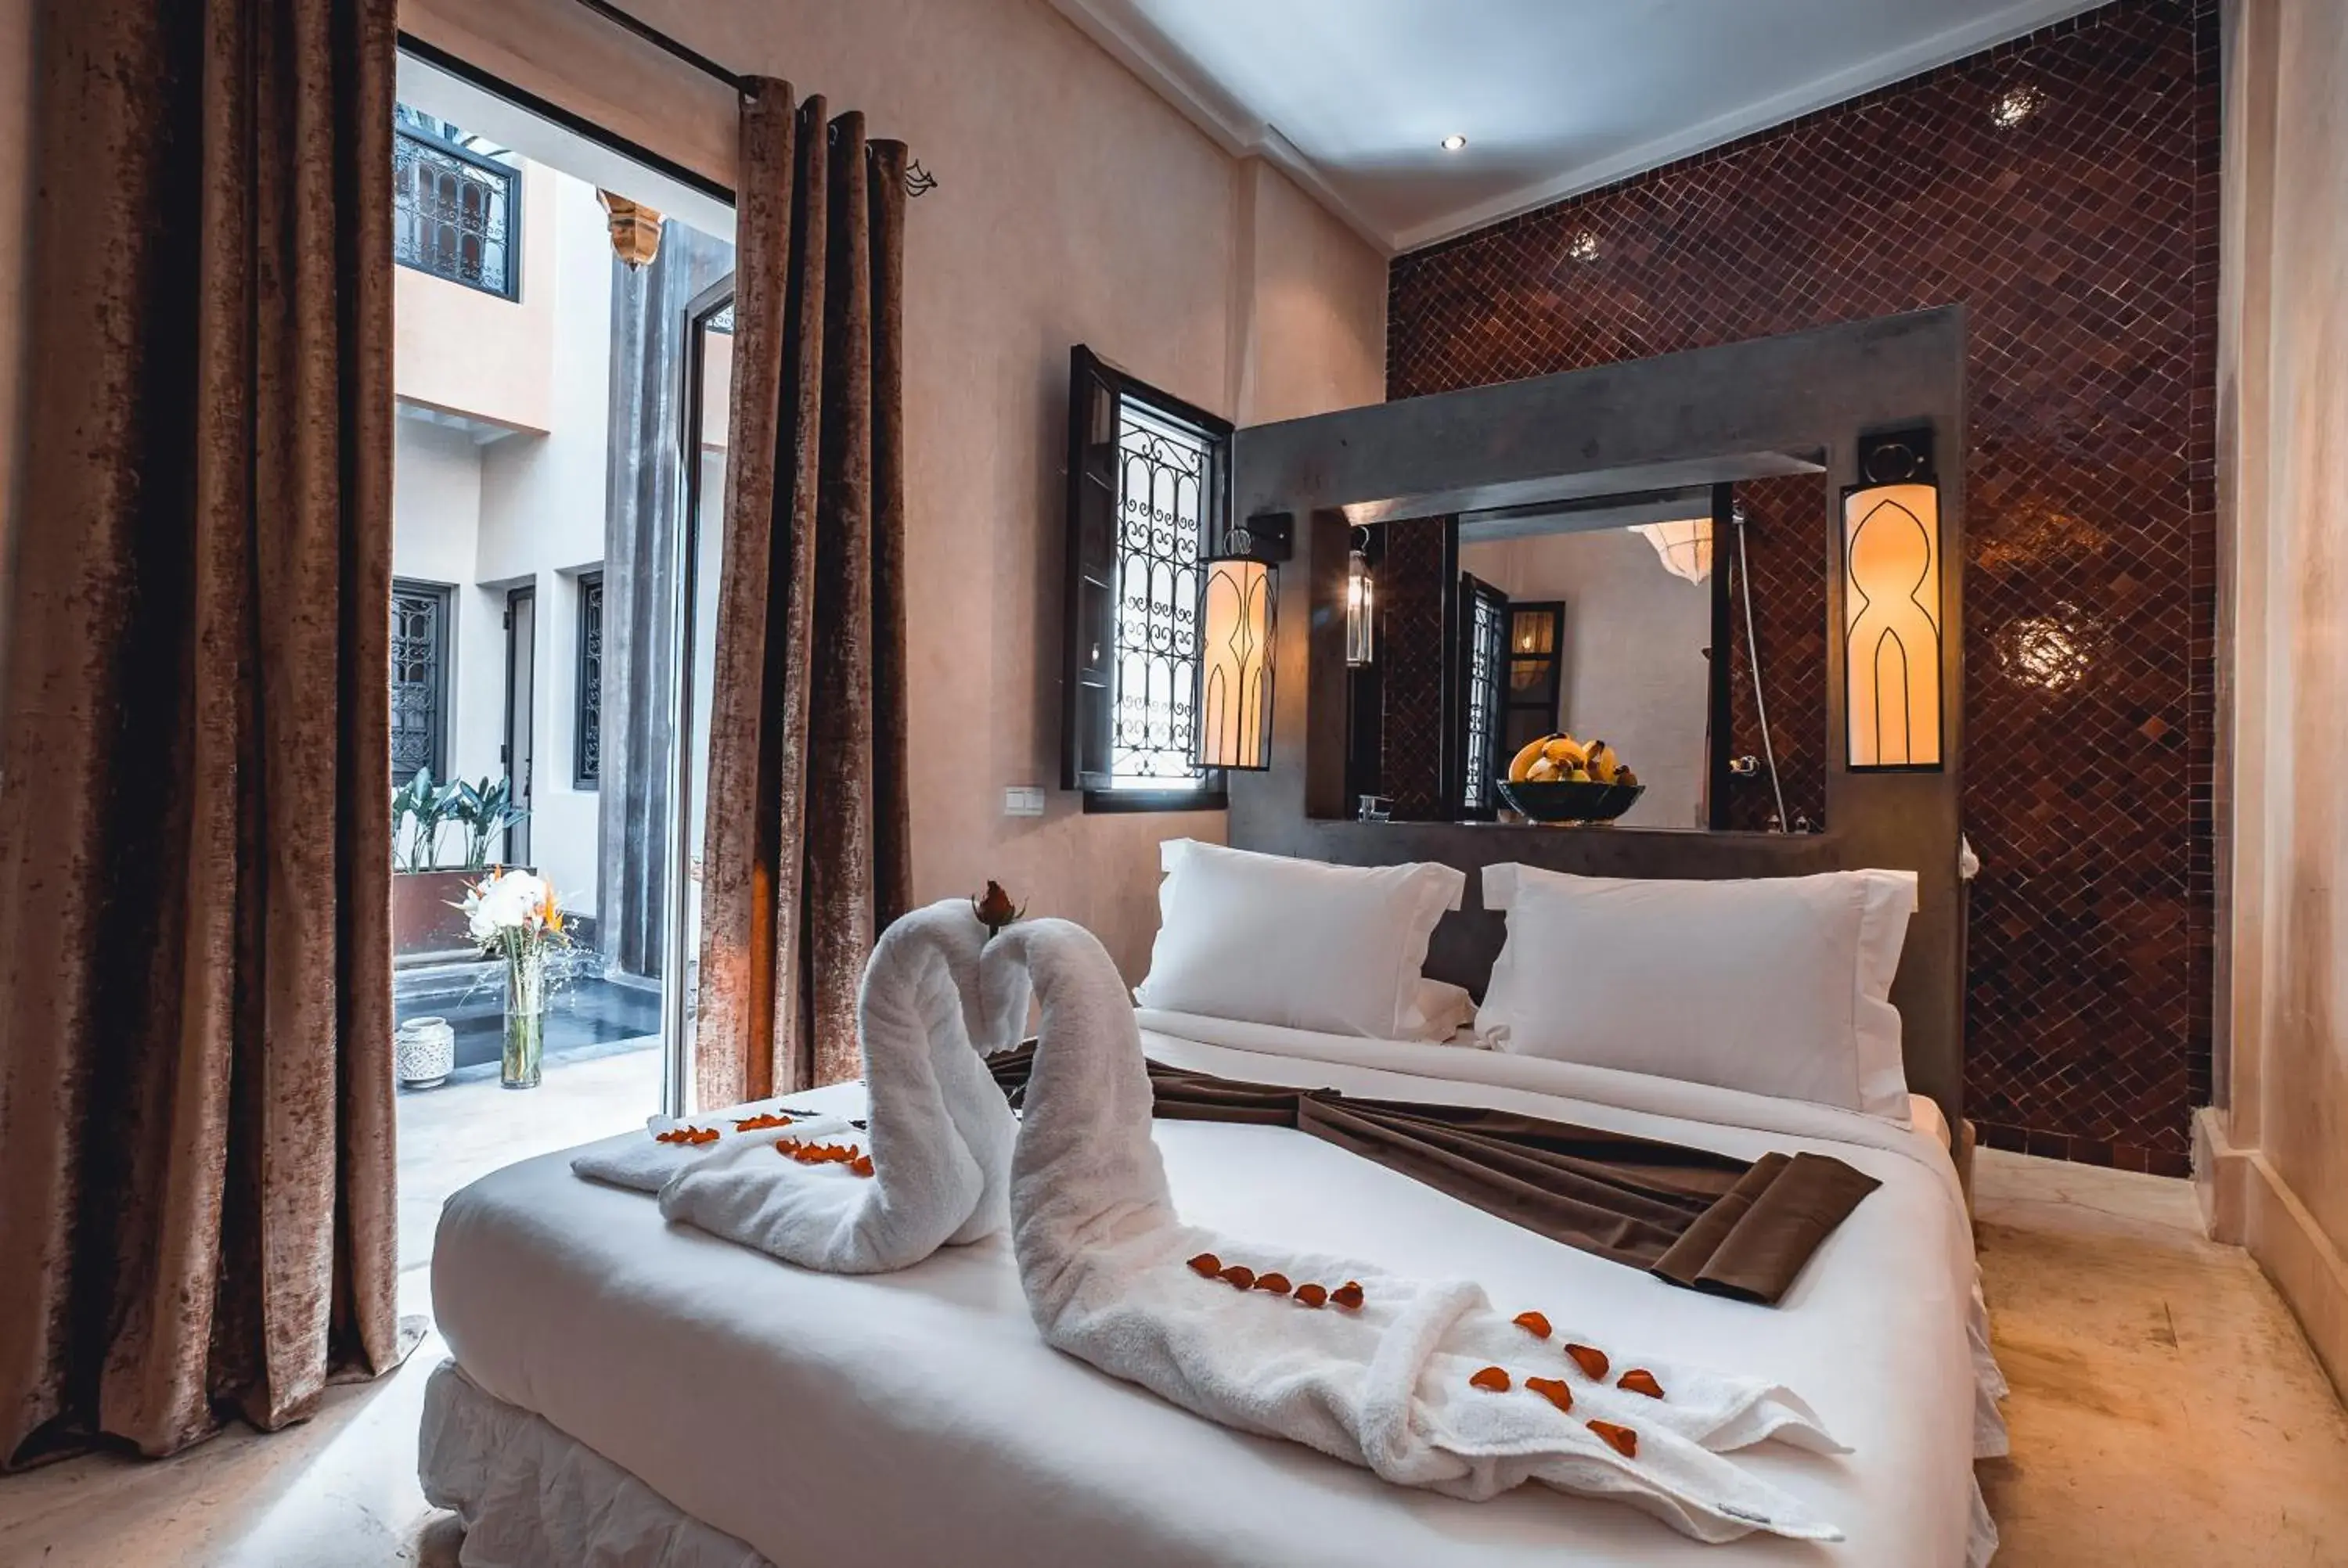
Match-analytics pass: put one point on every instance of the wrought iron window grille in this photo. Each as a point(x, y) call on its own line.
point(419, 679)
point(587, 746)
point(455, 205)
point(1487, 644)
point(1164, 471)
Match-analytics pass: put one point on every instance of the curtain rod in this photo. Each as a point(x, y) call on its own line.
point(919, 181)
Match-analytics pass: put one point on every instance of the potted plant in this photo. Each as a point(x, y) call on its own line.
point(427, 889)
point(485, 810)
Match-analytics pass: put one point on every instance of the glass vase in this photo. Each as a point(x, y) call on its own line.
point(525, 1018)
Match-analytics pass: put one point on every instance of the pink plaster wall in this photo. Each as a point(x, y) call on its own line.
point(1075, 207)
point(2284, 437)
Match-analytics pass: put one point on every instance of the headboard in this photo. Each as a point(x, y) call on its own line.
point(1535, 440)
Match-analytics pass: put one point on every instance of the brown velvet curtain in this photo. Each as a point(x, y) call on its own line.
point(807, 855)
point(197, 1212)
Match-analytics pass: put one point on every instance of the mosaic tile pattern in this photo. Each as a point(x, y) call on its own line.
point(1411, 595)
point(1786, 544)
point(2081, 238)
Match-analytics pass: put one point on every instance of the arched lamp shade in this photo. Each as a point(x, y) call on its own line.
point(1685, 549)
point(1891, 593)
point(1236, 608)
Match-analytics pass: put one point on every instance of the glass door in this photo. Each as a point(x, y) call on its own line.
point(542, 623)
point(701, 544)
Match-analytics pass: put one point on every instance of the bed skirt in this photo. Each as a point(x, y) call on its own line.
point(532, 1497)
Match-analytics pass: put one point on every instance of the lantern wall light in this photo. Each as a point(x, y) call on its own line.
point(1361, 605)
point(1891, 607)
point(1238, 615)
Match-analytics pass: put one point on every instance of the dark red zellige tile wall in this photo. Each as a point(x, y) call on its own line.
point(1410, 644)
point(2083, 240)
point(1782, 541)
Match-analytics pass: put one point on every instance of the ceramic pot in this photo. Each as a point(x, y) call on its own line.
point(424, 1052)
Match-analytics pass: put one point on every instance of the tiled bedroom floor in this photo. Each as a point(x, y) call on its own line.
point(2165, 1412)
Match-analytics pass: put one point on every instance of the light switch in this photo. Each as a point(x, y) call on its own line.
point(1023, 800)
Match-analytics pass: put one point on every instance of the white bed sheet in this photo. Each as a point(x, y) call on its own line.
point(916, 1418)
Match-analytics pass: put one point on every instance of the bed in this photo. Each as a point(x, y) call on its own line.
point(620, 1390)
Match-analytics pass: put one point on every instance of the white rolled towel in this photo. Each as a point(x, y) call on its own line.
point(642, 1163)
point(1386, 1384)
point(939, 1133)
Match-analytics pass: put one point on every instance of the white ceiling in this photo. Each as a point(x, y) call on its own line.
point(1555, 96)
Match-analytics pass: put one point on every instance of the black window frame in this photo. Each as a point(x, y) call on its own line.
point(444, 659)
point(509, 178)
point(1478, 674)
point(1094, 563)
point(586, 769)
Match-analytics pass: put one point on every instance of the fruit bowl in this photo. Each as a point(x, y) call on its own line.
point(1558, 802)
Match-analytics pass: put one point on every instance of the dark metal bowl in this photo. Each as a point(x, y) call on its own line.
point(1556, 802)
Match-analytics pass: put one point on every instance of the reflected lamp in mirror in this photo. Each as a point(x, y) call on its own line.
point(1891, 596)
point(1685, 548)
point(1235, 617)
point(1361, 611)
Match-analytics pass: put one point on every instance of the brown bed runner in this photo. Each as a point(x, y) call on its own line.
point(1695, 1218)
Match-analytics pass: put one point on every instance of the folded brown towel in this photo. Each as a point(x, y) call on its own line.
point(1692, 1217)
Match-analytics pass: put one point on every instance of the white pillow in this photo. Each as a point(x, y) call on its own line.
point(1778, 985)
point(1269, 939)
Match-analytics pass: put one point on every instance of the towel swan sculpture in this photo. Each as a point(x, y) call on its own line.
point(939, 1134)
point(1392, 1374)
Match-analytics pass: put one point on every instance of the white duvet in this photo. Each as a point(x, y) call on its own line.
point(916, 1418)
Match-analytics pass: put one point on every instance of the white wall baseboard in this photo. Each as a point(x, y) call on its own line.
point(2246, 1202)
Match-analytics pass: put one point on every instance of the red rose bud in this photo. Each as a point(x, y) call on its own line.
point(994, 908)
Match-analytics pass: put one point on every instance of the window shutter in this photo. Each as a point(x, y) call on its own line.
point(1088, 673)
point(1481, 675)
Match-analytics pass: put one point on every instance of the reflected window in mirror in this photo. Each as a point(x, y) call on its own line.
point(1627, 660)
point(1603, 618)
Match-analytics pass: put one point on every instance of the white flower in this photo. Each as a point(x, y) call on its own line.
point(513, 900)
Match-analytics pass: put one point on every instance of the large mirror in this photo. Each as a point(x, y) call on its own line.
point(1631, 619)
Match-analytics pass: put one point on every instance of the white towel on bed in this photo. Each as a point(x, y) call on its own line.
point(940, 1132)
point(643, 1163)
point(1106, 1264)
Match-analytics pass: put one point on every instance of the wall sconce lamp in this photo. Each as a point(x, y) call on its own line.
point(1361, 605)
point(1891, 607)
point(1238, 601)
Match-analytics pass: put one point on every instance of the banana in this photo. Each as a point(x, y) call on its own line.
point(1602, 761)
point(1565, 751)
point(1542, 771)
point(1520, 766)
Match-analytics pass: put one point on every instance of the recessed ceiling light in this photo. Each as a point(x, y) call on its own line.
point(1454, 142)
